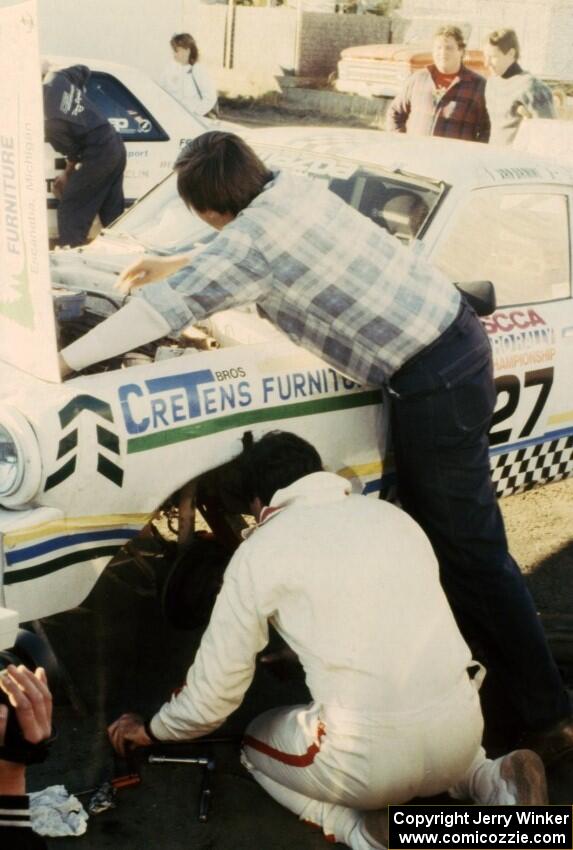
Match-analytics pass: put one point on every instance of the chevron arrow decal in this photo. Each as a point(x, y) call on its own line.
point(106, 438)
point(84, 402)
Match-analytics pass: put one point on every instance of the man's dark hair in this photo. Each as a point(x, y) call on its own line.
point(184, 39)
point(504, 39)
point(219, 171)
point(275, 461)
point(450, 31)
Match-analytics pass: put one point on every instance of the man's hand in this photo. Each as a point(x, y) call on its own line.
point(30, 697)
point(59, 186)
point(61, 181)
point(128, 731)
point(523, 111)
point(149, 270)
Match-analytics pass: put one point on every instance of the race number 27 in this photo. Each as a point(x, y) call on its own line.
point(536, 387)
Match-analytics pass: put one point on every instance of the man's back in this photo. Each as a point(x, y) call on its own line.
point(352, 585)
point(325, 275)
point(70, 116)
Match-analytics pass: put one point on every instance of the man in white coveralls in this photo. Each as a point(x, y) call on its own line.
point(352, 585)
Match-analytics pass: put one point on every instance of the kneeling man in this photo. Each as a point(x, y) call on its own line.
point(352, 585)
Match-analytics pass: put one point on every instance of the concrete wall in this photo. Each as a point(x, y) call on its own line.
point(264, 39)
point(264, 42)
point(324, 36)
point(207, 23)
point(135, 32)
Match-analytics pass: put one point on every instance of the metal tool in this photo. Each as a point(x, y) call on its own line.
point(103, 796)
point(102, 799)
point(208, 765)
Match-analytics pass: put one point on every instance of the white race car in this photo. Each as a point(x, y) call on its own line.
point(152, 124)
point(86, 463)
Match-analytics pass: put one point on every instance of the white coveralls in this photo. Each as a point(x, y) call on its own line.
point(352, 585)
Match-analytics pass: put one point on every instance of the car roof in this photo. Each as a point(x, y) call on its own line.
point(124, 72)
point(442, 160)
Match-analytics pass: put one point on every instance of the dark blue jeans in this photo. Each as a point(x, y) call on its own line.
point(96, 187)
point(441, 407)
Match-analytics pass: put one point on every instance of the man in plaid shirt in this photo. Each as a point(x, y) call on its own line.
point(444, 99)
point(338, 285)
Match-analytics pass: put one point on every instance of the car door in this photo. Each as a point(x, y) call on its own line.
point(519, 237)
point(139, 129)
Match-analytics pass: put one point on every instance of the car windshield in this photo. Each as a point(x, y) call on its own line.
point(161, 222)
point(401, 204)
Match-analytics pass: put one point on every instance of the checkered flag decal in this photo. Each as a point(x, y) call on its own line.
point(521, 469)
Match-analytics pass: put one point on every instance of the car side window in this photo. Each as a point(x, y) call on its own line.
point(518, 240)
point(123, 110)
point(401, 208)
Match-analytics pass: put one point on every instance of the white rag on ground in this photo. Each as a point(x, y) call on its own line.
point(55, 812)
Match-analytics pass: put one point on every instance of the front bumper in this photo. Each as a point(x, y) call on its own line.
point(50, 562)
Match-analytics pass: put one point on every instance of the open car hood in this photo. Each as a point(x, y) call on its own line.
point(27, 325)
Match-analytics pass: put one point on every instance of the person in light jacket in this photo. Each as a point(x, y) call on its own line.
point(186, 79)
point(512, 94)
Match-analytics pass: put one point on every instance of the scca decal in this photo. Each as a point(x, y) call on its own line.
point(174, 399)
point(503, 322)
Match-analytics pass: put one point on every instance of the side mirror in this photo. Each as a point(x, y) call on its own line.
point(480, 294)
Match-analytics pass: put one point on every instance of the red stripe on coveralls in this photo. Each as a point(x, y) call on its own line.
point(294, 760)
point(329, 836)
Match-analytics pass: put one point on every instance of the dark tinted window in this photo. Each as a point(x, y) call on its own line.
point(399, 207)
point(125, 112)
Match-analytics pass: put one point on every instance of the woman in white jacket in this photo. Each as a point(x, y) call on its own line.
point(187, 79)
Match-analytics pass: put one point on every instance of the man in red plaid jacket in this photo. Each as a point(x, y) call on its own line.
point(444, 99)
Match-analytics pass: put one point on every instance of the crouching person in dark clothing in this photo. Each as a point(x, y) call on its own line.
point(31, 703)
point(93, 180)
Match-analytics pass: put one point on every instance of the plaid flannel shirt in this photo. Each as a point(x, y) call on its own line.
point(459, 113)
point(327, 276)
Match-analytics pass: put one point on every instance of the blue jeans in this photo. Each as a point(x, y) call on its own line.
point(95, 188)
point(441, 407)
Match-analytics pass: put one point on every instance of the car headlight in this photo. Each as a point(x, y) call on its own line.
point(11, 467)
point(20, 463)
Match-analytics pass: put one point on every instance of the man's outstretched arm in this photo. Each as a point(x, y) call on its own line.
point(220, 674)
point(228, 273)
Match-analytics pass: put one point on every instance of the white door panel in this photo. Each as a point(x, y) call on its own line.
point(520, 238)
